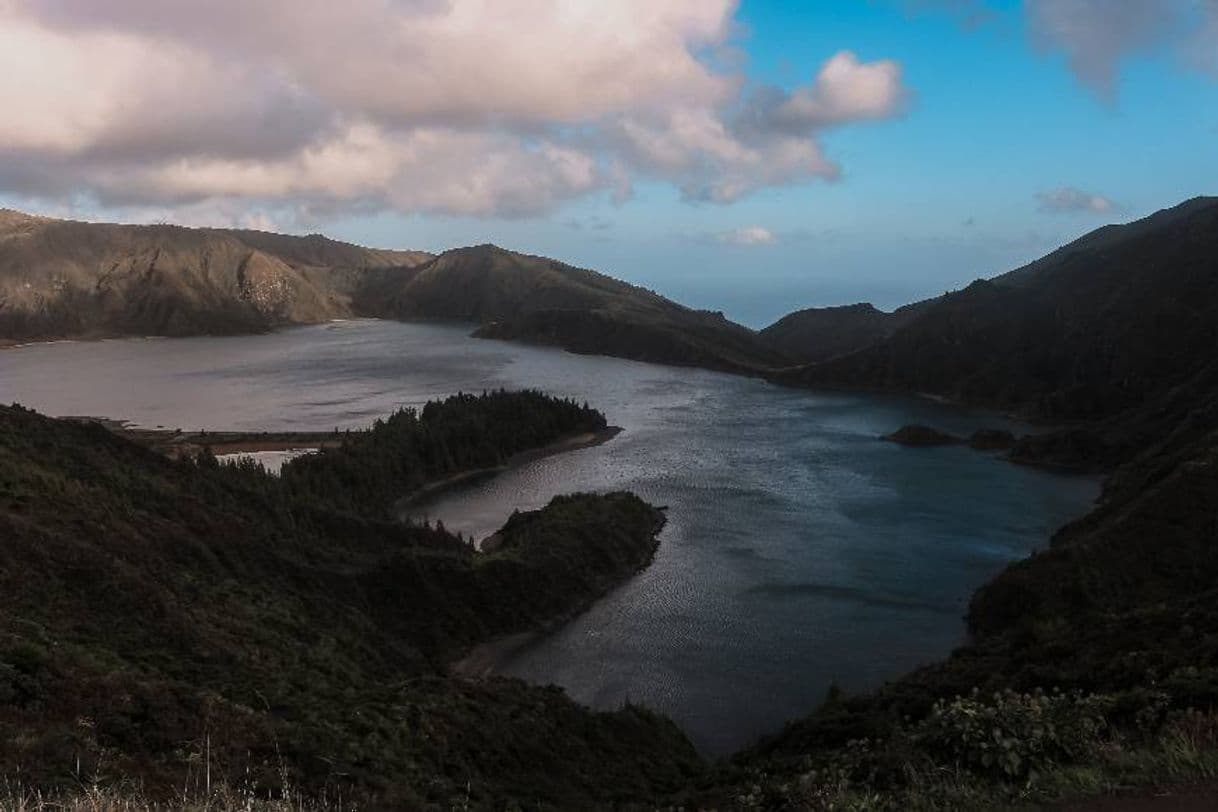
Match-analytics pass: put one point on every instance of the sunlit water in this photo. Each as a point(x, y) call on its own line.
point(800, 549)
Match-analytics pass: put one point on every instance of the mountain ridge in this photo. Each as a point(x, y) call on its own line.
point(1090, 330)
point(69, 279)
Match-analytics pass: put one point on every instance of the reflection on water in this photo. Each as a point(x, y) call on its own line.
point(272, 461)
point(800, 550)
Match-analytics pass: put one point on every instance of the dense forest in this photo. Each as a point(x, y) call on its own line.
point(410, 449)
point(160, 618)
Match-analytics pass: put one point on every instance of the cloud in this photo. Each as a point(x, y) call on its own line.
point(844, 90)
point(770, 141)
point(1096, 36)
point(1202, 47)
point(748, 235)
point(473, 107)
point(1069, 199)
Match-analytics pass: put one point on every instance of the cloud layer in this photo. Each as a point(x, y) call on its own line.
point(477, 107)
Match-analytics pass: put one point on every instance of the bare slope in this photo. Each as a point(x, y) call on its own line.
point(71, 279)
point(61, 279)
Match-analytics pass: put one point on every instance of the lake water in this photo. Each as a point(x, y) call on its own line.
point(800, 549)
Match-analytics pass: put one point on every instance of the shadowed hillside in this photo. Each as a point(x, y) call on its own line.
point(819, 333)
point(1096, 328)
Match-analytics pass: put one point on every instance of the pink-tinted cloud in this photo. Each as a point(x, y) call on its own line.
point(451, 106)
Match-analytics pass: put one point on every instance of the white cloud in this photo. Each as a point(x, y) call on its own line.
point(461, 106)
point(748, 235)
point(845, 90)
point(1070, 199)
point(771, 141)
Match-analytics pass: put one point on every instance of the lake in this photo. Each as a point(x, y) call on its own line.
point(801, 550)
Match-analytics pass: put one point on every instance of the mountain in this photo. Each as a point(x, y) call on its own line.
point(819, 333)
point(538, 300)
point(71, 279)
point(62, 279)
point(1096, 328)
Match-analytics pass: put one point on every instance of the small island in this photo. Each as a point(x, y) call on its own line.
point(922, 437)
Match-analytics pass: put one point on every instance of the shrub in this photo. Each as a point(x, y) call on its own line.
point(1013, 735)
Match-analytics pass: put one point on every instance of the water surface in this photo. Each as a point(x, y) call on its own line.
point(800, 549)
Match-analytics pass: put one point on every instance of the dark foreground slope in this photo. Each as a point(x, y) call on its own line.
point(62, 279)
point(153, 610)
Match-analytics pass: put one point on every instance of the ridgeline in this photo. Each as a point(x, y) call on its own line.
point(65, 279)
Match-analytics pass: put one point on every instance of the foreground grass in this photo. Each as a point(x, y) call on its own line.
point(992, 768)
point(1184, 753)
point(127, 799)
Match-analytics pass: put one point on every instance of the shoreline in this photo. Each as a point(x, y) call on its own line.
point(482, 660)
point(176, 444)
point(574, 442)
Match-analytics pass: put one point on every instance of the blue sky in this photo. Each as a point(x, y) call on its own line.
point(1008, 128)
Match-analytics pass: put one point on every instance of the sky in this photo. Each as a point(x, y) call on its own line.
point(752, 157)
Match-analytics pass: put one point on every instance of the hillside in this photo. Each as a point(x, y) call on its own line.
point(63, 279)
point(70, 279)
point(1096, 328)
point(819, 333)
point(538, 300)
point(149, 606)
